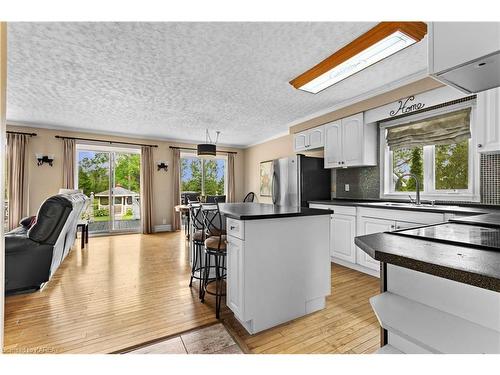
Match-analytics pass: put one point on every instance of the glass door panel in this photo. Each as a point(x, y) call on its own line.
point(125, 195)
point(93, 179)
point(110, 176)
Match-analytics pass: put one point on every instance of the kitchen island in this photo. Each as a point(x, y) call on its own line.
point(278, 263)
point(440, 287)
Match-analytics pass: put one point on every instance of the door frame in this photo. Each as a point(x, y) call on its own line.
point(112, 150)
point(3, 103)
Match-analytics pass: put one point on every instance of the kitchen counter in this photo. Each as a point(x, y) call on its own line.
point(398, 205)
point(440, 286)
point(259, 211)
point(277, 270)
point(464, 264)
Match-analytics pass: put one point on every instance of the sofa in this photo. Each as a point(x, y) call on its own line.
point(35, 250)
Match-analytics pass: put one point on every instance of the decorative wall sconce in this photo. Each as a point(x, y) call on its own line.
point(162, 165)
point(41, 159)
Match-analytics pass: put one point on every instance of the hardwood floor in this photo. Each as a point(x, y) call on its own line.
point(120, 292)
point(347, 325)
point(123, 291)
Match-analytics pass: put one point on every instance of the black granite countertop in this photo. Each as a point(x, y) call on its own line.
point(473, 209)
point(466, 264)
point(259, 211)
point(492, 219)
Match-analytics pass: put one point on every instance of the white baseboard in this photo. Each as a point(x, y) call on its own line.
point(162, 228)
point(356, 267)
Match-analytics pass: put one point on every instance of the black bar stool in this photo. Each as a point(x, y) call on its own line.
point(215, 246)
point(198, 243)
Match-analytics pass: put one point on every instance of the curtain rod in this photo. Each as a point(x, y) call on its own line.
point(30, 134)
point(105, 141)
point(194, 149)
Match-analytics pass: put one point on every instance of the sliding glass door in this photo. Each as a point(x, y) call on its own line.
point(110, 176)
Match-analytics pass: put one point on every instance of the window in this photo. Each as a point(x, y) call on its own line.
point(404, 161)
point(203, 176)
point(452, 166)
point(435, 147)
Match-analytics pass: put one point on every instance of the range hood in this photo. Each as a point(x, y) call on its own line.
point(479, 75)
point(465, 55)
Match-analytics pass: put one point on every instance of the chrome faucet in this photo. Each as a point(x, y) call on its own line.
point(417, 187)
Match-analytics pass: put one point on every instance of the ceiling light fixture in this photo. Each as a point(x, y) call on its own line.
point(208, 150)
point(376, 44)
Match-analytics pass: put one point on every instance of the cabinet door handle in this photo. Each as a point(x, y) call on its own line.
point(479, 145)
point(232, 227)
point(392, 226)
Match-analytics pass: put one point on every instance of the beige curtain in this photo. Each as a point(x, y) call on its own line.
point(68, 163)
point(176, 190)
point(443, 129)
point(230, 179)
point(147, 167)
point(17, 148)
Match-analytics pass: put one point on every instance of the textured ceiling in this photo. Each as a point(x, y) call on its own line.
point(173, 80)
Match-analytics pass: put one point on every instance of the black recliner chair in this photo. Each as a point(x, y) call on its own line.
point(33, 254)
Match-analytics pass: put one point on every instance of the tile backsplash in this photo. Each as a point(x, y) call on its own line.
point(364, 182)
point(490, 179)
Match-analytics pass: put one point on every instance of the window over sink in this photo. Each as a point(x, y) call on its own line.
point(436, 147)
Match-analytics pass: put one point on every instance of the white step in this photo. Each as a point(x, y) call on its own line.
point(433, 329)
point(388, 349)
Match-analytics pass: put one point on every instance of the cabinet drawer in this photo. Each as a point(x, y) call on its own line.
point(235, 228)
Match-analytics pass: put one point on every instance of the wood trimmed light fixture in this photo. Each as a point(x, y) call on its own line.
point(208, 150)
point(373, 46)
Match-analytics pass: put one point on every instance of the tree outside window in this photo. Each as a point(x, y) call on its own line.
point(452, 166)
point(407, 161)
point(450, 163)
point(203, 176)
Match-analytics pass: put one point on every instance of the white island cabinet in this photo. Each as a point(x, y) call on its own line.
point(278, 265)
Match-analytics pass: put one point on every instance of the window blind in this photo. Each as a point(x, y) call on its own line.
point(444, 129)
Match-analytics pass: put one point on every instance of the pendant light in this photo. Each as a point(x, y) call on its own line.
point(208, 150)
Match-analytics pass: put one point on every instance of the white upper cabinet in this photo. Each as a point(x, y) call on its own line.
point(488, 121)
point(317, 137)
point(465, 55)
point(300, 142)
point(309, 140)
point(352, 134)
point(350, 143)
point(333, 144)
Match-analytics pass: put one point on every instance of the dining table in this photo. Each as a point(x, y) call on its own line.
point(183, 210)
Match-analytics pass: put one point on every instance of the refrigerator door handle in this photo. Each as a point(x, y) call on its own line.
point(274, 183)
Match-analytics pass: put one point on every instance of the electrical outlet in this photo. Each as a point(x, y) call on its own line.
point(164, 220)
point(346, 187)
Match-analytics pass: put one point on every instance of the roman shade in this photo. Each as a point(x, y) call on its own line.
point(444, 129)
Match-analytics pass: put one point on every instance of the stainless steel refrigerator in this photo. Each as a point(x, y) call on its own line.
point(298, 179)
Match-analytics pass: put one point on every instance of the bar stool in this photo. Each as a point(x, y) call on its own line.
point(198, 243)
point(215, 246)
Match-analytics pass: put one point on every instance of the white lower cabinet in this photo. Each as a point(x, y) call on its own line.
point(348, 222)
point(370, 225)
point(235, 279)
point(343, 231)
